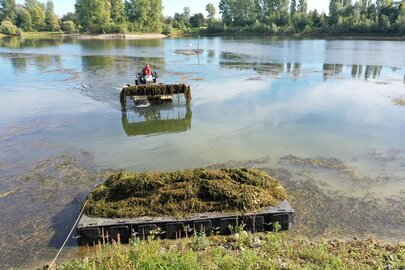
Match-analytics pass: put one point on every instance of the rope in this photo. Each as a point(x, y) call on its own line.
point(67, 238)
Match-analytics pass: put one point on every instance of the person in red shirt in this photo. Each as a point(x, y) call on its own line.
point(147, 70)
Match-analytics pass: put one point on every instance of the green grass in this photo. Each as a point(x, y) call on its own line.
point(42, 34)
point(245, 251)
point(191, 31)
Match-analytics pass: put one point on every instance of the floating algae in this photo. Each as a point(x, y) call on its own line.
point(322, 162)
point(8, 193)
point(320, 213)
point(181, 193)
point(190, 52)
point(399, 101)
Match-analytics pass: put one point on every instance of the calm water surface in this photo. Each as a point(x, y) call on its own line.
point(283, 102)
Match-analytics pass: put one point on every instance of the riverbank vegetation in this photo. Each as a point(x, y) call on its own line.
point(283, 16)
point(345, 17)
point(245, 251)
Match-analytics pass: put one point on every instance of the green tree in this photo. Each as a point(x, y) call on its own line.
point(302, 6)
point(8, 10)
point(402, 8)
point(241, 12)
point(225, 11)
point(145, 15)
point(210, 8)
point(362, 6)
point(93, 15)
point(51, 20)
point(23, 19)
point(293, 7)
point(332, 8)
point(68, 27)
point(70, 16)
point(37, 13)
point(272, 6)
point(187, 13)
point(197, 20)
point(117, 11)
point(379, 5)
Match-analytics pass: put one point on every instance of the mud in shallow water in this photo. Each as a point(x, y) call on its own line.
point(320, 213)
point(41, 205)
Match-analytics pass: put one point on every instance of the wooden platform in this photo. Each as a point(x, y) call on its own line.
point(92, 231)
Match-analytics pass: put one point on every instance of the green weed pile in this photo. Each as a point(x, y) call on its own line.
point(181, 193)
point(155, 90)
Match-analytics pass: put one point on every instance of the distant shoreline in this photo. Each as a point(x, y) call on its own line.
point(307, 35)
point(132, 36)
point(119, 36)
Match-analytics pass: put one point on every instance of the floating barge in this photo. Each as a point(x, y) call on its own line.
point(91, 231)
point(154, 93)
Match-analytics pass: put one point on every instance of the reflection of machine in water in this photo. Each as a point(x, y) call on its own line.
point(157, 119)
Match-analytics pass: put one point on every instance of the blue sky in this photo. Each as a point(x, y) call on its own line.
point(172, 6)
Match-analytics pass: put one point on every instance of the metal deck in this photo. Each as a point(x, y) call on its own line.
point(91, 231)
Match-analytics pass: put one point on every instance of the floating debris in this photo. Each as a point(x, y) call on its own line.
point(400, 101)
point(74, 75)
point(389, 155)
point(184, 192)
point(258, 78)
point(8, 193)
point(253, 163)
point(190, 52)
point(321, 162)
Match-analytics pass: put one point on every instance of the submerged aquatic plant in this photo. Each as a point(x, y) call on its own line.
point(184, 192)
point(322, 162)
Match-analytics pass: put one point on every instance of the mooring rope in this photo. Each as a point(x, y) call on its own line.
point(67, 238)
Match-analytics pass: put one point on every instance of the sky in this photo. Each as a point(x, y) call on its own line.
point(172, 6)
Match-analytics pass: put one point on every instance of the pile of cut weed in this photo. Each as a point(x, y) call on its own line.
point(184, 192)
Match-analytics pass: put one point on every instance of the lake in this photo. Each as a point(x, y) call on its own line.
point(321, 114)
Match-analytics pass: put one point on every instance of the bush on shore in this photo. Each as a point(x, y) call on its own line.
point(8, 28)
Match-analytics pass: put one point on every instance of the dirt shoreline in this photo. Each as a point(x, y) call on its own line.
point(120, 36)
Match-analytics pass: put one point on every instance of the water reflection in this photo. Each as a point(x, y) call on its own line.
point(27, 42)
point(19, 64)
point(114, 44)
point(246, 62)
point(156, 120)
point(123, 63)
point(20, 61)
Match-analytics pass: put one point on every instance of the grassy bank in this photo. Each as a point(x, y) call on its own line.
point(42, 34)
point(204, 31)
point(245, 251)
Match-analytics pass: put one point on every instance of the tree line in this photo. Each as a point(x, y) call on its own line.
point(284, 16)
point(92, 16)
point(264, 16)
